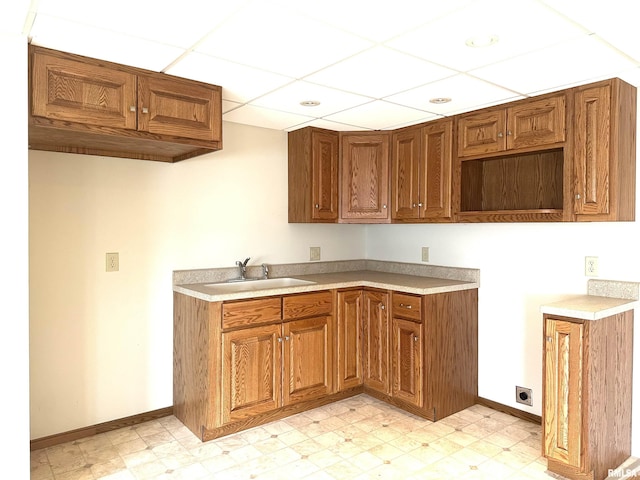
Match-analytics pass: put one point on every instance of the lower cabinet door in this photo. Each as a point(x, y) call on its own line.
point(376, 341)
point(406, 362)
point(251, 372)
point(308, 359)
point(563, 386)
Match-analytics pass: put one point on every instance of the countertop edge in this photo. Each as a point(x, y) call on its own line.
point(589, 307)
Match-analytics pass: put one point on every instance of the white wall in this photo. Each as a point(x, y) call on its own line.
point(14, 281)
point(101, 343)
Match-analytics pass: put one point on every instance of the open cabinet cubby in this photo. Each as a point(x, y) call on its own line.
point(526, 183)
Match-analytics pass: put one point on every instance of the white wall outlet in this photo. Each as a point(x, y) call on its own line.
point(425, 254)
point(591, 266)
point(113, 262)
point(314, 254)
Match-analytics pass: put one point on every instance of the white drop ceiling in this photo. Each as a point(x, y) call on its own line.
point(371, 64)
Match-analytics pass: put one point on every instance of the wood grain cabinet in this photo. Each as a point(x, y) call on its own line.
point(313, 176)
point(604, 151)
point(84, 105)
point(587, 376)
point(531, 123)
point(421, 163)
point(375, 341)
point(364, 177)
point(349, 355)
point(407, 340)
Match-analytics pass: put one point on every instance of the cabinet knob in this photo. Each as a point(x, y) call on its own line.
point(508, 132)
point(132, 108)
point(145, 110)
point(549, 339)
point(414, 205)
point(287, 338)
point(420, 204)
point(577, 196)
point(382, 307)
point(279, 339)
point(317, 206)
point(384, 205)
point(415, 338)
point(500, 135)
point(406, 306)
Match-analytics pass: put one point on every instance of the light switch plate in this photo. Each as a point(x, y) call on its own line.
point(314, 254)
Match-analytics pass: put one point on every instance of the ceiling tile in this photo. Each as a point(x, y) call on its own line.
point(288, 99)
point(569, 63)
point(227, 106)
point(379, 114)
point(264, 117)
point(239, 83)
point(527, 27)
point(379, 72)
point(64, 35)
point(466, 93)
point(376, 21)
point(180, 23)
point(276, 39)
point(619, 29)
point(329, 125)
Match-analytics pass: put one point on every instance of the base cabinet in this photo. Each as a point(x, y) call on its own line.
point(349, 355)
point(587, 376)
point(375, 344)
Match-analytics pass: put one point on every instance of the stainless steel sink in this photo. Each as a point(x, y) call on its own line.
point(260, 284)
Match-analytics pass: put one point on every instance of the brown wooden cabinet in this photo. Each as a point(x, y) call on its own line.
point(407, 341)
point(349, 356)
point(375, 345)
point(530, 123)
point(587, 376)
point(604, 151)
point(88, 106)
point(364, 177)
point(421, 172)
point(313, 176)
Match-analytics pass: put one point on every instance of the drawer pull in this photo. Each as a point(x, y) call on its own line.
point(406, 306)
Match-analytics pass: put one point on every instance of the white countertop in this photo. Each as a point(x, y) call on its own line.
point(325, 281)
point(589, 307)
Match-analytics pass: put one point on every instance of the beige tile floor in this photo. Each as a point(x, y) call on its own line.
point(357, 438)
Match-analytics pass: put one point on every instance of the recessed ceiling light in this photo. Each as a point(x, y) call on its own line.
point(439, 100)
point(310, 103)
point(480, 41)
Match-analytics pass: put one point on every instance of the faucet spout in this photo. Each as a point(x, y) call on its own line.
point(242, 265)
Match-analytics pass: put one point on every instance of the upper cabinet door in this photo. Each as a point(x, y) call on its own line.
point(364, 173)
point(536, 123)
point(175, 107)
point(435, 178)
point(324, 176)
point(481, 133)
point(73, 91)
point(406, 158)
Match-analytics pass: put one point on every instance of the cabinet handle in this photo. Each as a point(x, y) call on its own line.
point(145, 110)
point(406, 306)
point(500, 135)
point(132, 108)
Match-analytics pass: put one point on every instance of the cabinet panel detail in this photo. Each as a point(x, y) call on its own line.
point(376, 341)
point(349, 355)
point(407, 361)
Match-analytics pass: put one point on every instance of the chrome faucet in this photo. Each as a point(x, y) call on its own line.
point(243, 267)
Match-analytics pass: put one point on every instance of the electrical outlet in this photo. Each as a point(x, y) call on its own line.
point(591, 266)
point(113, 262)
point(314, 254)
point(425, 254)
point(524, 396)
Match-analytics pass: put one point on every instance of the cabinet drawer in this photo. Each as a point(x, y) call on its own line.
point(407, 306)
point(307, 305)
point(247, 313)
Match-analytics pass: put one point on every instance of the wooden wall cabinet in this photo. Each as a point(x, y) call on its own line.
point(587, 372)
point(88, 106)
point(529, 123)
point(604, 152)
point(364, 177)
point(421, 165)
point(313, 176)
